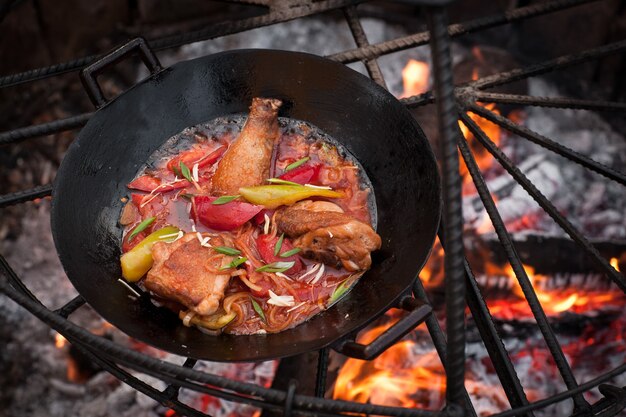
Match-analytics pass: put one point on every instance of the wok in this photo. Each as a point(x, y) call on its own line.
point(123, 133)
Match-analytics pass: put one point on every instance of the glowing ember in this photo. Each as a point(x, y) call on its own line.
point(59, 341)
point(415, 78)
point(554, 301)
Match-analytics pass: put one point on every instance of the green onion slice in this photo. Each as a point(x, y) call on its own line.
point(340, 290)
point(296, 164)
point(282, 182)
point(276, 267)
point(258, 309)
point(184, 170)
point(226, 250)
point(141, 227)
point(225, 199)
point(235, 263)
point(279, 244)
point(290, 253)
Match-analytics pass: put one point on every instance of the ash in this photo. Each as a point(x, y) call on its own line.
point(34, 372)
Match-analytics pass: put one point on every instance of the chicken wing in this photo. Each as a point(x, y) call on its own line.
point(247, 162)
point(189, 273)
point(328, 235)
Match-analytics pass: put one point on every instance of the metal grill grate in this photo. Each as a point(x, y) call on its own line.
point(453, 103)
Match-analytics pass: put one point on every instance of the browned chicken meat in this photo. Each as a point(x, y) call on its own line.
point(247, 162)
point(189, 273)
point(328, 235)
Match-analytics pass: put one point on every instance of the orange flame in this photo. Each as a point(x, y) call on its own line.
point(404, 375)
point(615, 264)
point(415, 78)
point(59, 341)
point(482, 156)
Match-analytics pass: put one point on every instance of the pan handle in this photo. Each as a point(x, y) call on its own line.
point(418, 312)
point(89, 74)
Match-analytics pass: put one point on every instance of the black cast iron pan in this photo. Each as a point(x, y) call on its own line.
point(124, 132)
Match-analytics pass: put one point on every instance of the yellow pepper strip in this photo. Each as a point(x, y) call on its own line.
point(137, 261)
point(272, 196)
point(215, 321)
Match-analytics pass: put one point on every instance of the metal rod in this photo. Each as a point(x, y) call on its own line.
point(553, 102)
point(493, 343)
point(437, 334)
point(546, 205)
point(136, 383)
point(565, 395)
point(549, 144)
point(452, 211)
point(43, 129)
point(418, 100)
point(322, 371)
point(513, 257)
point(366, 53)
point(26, 195)
point(172, 390)
point(56, 322)
point(470, 88)
point(145, 364)
point(15, 281)
point(361, 41)
point(455, 30)
point(209, 32)
point(547, 66)
point(71, 306)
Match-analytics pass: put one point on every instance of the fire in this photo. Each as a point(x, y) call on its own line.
point(405, 375)
point(415, 78)
point(59, 341)
point(554, 301)
point(615, 264)
point(482, 156)
point(432, 273)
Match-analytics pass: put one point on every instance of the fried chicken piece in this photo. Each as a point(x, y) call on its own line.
point(247, 162)
point(328, 235)
point(188, 273)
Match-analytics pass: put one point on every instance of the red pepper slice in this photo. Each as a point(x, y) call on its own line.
point(305, 174)
point(196, 156)
point(266, 244)
point(227, 216)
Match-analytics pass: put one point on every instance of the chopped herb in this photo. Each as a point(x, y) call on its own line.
point(176, 172)
point(290, 253)
point(225, 199)
point(141, 227)
point(279, 244)
point(276, 267)
point(282, 182)
point(235, 263)
point(226, 250)
point(184, 170)
point(296, 164)
point(187, 196)
point(340, 290)
point(258, 309)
